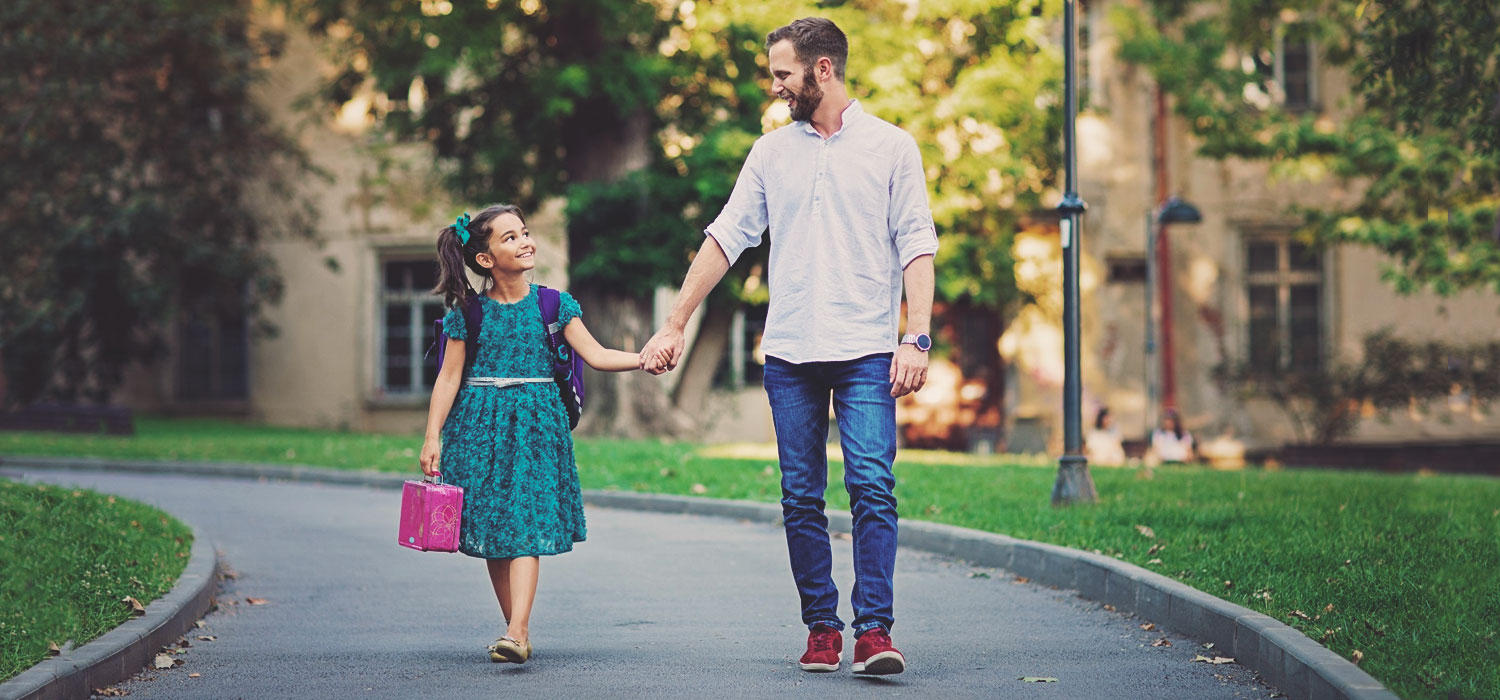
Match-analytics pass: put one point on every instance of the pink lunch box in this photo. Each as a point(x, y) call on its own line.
point(430, 516)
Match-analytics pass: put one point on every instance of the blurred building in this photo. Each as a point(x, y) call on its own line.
point(356, 316)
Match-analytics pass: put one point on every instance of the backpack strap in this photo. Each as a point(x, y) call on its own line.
point(473, 320)
point(551, 302)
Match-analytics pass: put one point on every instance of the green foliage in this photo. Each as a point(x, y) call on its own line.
point(127, 136)
point(1392, 374)
point(533, 99)
point(1420, 138)
point(70, 557)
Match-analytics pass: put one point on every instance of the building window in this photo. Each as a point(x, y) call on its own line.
point(407, 311)
point(213, 356)
point(1126, 268)
point(1285, 293)
point(1294, 67)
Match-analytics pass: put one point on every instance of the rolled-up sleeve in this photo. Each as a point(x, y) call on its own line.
point(910, 216)
point(743, 220)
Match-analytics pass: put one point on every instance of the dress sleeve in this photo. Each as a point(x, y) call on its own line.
point(567, 309)
point(454, 325)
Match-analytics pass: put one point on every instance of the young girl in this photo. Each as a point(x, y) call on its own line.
point(507, 443)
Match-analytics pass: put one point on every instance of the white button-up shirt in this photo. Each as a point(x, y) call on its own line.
point(846, 216)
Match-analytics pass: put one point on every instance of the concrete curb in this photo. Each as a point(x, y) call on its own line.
point(125, 650)
point(1286, 658)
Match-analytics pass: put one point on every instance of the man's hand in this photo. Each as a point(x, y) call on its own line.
point(908, 370)
point(663, 351)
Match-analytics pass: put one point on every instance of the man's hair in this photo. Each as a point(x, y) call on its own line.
point(814, 38)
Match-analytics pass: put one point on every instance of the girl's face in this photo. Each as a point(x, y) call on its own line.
point(511, 248)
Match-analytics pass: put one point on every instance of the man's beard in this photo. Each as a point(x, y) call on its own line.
point(808, 99)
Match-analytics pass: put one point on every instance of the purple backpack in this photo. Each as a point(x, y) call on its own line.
point(567, 366)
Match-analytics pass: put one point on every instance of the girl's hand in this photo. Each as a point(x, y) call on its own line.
point(429, 458)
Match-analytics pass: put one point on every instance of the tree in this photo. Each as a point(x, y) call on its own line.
point(1423, 142)
point(641, 113)
point(128, 137)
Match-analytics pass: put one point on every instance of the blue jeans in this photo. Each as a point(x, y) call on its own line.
point(866, 413)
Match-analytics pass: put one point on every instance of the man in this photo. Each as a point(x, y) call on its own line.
point(844, 196)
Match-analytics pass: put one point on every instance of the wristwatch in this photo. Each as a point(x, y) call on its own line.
point(921, 340)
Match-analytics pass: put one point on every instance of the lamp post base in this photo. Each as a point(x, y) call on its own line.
point(1074, 484)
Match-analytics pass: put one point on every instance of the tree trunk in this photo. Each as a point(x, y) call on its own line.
point(626, 404)
point(703, 362)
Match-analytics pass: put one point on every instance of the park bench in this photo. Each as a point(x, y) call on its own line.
point(70, 418)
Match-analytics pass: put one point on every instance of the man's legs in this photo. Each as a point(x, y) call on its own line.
point(866, 414)
point(799, 408)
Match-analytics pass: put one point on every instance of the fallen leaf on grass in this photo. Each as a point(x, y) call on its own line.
point(1154, 549)
point(1148, 532)
point(1217, 660)
point(195, 675)
point(1378, 632)
point(1328, 609)
point(1328, 634)
point(1358, 657)
point(699, 489)
point(1155, 562)
point(1299, 615)
point(53, 649)
point(1148, 626)
point(135, 605)
point(1163, 642)
point(164, 661)
point(1036, 679)
point(1229, 584)
point(256, 601)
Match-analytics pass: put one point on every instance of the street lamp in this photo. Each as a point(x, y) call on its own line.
point(1074, 485)
point(1158, 265)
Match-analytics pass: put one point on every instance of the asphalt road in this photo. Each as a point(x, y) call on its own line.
point(652, 605)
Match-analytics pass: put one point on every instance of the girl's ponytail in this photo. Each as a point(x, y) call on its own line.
point(453, 284)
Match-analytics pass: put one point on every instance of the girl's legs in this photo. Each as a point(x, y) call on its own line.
point(521, 585)
point(500, 579)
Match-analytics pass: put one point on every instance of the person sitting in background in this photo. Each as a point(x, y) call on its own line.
point(1171, 443)
point(1102, 446)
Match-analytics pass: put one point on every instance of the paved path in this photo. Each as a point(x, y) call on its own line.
point(660, 606)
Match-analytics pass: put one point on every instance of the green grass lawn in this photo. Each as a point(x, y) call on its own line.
point(69, 558)
point(1402, 568)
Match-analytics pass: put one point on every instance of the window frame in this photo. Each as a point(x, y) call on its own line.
point(1279, 71)
point(1284, 279)
point(414, 299)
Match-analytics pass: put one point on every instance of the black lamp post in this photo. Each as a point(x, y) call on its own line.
point(1172, 211)
point(1074, 485)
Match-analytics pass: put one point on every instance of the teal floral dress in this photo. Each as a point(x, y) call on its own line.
point(510, 447)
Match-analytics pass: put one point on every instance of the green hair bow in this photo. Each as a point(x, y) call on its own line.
point(462, 224)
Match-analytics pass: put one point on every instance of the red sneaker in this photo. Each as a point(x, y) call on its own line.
point(874, 655)
point(825, 649)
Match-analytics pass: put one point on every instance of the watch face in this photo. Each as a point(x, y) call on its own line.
point(924, 342)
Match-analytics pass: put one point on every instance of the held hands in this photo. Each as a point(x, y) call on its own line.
point(429, 458)
point(908, 370)
point(663, 351)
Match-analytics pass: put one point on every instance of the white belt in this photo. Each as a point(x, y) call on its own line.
point(505, 381)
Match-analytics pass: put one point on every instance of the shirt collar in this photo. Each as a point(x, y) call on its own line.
point(852, 112)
